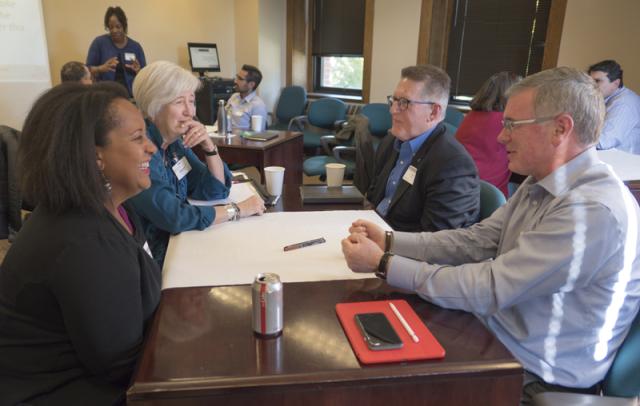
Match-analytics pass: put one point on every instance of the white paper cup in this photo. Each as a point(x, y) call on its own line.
point(256, 123)
point(335, 174)
point(274, 177)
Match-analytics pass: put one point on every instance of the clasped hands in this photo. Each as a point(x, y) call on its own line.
point(364, 246)
point(196, 134)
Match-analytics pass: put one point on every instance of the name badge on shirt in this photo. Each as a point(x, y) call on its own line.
point(129, 57)
point(181, 168)
point(410, 175)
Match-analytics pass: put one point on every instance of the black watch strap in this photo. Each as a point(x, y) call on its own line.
point(383, 265)
point(212, 153)
point(388, 240)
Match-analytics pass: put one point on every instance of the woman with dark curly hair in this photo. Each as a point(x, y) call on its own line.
point(78, 286)
point(116, 56)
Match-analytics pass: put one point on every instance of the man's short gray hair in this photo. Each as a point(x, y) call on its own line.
point(436, 82)
point(567, 90)
point(159, 83)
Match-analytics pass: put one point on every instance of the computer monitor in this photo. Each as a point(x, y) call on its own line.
point(203, 57)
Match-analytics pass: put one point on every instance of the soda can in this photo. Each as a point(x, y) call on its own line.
point(266, 293)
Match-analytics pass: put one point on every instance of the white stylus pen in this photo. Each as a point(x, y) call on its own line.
point(404, 323)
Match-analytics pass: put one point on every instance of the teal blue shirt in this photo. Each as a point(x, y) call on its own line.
point(163, 208)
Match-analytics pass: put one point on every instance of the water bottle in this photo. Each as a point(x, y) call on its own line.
point(222, 118)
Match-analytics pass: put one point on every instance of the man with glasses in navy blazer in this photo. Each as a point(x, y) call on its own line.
point(424, 180)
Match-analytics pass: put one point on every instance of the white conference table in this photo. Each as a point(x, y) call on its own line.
point(624, 164)
point(233, 253)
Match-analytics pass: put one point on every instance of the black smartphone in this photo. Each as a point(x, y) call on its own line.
point(377, 331)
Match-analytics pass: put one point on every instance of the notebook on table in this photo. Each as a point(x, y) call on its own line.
point(427, 347)
point(325, 194)
point(260, 136)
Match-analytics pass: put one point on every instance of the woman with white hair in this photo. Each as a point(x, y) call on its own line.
point(165, 93)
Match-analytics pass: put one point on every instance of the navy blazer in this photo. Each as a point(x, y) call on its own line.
point(445, 193)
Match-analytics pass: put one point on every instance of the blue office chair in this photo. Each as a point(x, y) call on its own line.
point(621, 385)
point(450, 127)
point(490, 199)
point(453, 116)
point(323, 117)
point(292, 102)
point(379, 118)
point(379, 123)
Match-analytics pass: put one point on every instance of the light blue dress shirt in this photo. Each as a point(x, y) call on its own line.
point(241, 110)
point(554, 273)
point(406, 150)
point(621, 128)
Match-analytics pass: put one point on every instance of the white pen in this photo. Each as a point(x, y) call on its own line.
point(404, 323)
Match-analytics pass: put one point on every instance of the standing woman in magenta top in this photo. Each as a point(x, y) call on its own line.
point(479, 130)
point(115, 56)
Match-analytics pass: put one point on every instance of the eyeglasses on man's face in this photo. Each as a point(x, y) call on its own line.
point(240, 78)
point(509, 124)
point(403, 103)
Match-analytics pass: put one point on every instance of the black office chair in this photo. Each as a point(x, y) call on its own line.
point(10, 198)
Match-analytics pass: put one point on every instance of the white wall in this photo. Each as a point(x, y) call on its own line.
point(395, 44)
point(163, 28)
point(23, 75)
point(595, 30)
point(272, 49)
point(260, 27)
point(246, 26)
point(253, 31)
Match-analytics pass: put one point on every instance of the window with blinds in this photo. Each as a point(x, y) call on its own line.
point(337, 46)
point(489, 36)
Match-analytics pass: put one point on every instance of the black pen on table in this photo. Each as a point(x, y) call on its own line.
point(304, 244)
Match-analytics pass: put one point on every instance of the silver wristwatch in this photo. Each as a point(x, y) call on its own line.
point(233, 211)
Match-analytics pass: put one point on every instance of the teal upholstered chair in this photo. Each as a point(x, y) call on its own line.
point(621, 386)
point(490, 199)
point(379, 118)
point(450, 127)
point(322, 118)
point(292, 101)
point(453, 116)
point(379, 122)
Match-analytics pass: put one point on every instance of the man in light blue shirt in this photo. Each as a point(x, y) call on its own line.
point(245, 102)
point(622, 123)
point(555, 272)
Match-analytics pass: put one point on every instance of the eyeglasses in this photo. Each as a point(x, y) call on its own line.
point(241, 78)
point(404, 103)
point(510, 124)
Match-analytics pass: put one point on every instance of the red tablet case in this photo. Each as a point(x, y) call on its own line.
point(427, 348)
